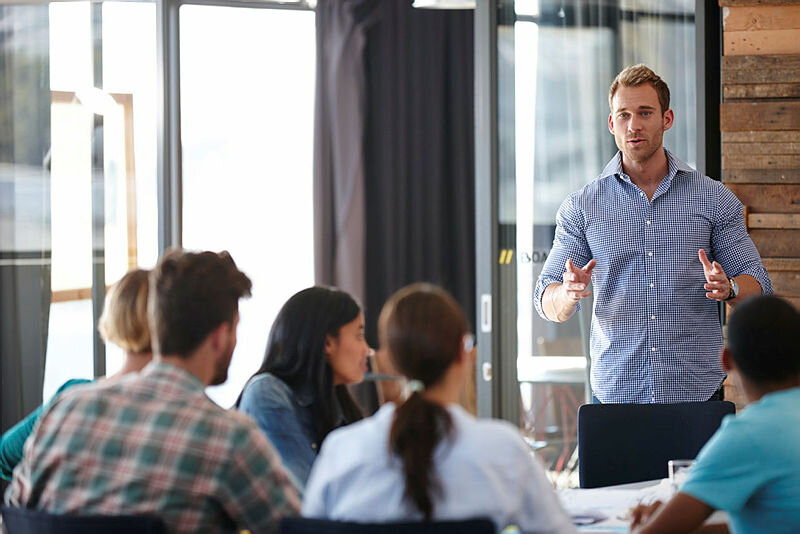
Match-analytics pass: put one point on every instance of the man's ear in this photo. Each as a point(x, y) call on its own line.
point(727, 362)
point(611, 123)
point(669, 119)
point(219, 336)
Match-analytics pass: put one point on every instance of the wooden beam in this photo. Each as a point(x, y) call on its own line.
point(773, 220)
point(777, 243)
point(781, 264)
point(760, 148)
point(761, 18)
point(772, 199)
point(760, 176)
point(760, 90)
point(66, 295)
point(745, 116)
point(778, 136)
point(759, 63)
point(753, 43)
point(734, 3)
point(749, 161)
point(786, 283)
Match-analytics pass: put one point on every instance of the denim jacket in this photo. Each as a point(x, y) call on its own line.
point(287, 421)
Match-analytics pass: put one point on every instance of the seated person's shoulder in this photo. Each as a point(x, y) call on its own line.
point(266, 391)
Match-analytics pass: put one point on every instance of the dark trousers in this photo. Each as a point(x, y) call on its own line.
point(718, 395)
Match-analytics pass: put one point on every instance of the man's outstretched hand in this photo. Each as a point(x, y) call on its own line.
point(576, 280)
point(717, 284)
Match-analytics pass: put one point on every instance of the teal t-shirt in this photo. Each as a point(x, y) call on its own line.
point(12, 441)
point(751, 467)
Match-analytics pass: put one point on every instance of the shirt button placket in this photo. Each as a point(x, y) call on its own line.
point(650, 300)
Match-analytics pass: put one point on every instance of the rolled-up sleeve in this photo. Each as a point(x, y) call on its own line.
point(569, 242)
point(732, 246)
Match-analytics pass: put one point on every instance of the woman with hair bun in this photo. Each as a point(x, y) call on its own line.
point(428, 458)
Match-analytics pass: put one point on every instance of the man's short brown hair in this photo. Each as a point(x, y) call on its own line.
point(635, 76)
point(191, 294)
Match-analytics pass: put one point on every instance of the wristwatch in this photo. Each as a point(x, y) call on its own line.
point(734, 289)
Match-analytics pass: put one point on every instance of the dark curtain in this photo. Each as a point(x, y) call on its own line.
point(394, 154)
point(419, 154)
point(24, 208)
point(338, 144)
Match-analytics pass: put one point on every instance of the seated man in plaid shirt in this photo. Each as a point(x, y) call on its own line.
point(153, 443)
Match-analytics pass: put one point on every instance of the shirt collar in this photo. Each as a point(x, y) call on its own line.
point(674, 165)
point(175, 376)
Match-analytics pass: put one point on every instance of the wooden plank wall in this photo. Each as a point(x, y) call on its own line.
point(760, 123)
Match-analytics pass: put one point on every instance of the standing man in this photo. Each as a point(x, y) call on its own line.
point(153, 442)
point(662, 244)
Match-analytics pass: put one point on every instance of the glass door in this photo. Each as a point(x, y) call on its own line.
point(553, 64)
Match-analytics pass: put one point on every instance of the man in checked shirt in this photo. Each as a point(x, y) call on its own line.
point(662, 245)
point(153, 442)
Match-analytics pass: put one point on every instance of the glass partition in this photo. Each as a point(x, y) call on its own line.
point(555, 62)
point(77, 181)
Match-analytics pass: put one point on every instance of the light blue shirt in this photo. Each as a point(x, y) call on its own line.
point(751, 467)
point(486, 470)
point(655, 336)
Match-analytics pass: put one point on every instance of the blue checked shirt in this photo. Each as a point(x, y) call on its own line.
point(655, 336)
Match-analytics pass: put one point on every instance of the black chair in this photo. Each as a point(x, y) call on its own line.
point(301, 525)
point(622, 443)
point(24, 521)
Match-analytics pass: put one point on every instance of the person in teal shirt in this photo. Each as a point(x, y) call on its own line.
point(751, 467)
point(124, 323)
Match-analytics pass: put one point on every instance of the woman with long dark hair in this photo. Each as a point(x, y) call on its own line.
point(428, 458)
point(316, 347)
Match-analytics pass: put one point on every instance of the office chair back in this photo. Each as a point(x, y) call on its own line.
point(24, 521)
point(622, 443)
point(302, 525)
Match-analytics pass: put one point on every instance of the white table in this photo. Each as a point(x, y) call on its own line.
point(614, 502)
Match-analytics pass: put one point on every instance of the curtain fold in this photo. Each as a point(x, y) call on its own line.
point(394, 153)
point(338, 144)
point(419, 154)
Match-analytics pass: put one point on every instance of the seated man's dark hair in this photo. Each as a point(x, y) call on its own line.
point(190, 295)
point(762, 339)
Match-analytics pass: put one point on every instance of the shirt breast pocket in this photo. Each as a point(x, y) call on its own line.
point(681, 239)
point(615, 239)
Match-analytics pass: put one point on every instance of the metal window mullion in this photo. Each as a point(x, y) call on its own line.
point(486, 189)
point(98, 256)
point(169, 175)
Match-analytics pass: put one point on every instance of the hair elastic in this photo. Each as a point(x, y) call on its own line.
point(416, 386)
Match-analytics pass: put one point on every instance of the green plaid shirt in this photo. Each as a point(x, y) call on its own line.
point(153, 443)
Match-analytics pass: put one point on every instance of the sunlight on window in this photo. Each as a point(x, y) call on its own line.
point(247, 113)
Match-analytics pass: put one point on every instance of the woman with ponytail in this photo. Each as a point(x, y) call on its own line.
point(428, 458)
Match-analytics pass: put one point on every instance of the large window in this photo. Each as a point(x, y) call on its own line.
point(80, 187)
point(77, 168)
point(247, 113)
point(100, 213)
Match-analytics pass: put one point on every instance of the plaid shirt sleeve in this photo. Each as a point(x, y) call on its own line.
point(257, 489)
point(731, 245)
point(569, 242)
